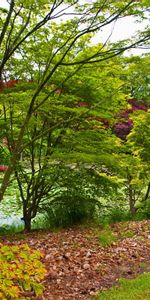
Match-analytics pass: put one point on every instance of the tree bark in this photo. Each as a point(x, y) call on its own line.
point(147, 192)
point(27, 223)
point(131, 195)
point(131, 201)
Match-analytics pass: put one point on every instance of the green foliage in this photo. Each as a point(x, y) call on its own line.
point(136, 76)
point(135, 289)
point(69, 210)
point(106, 236)
point(118, 214)
point(79, 195)
point(4, 155)
point(74, 200)
point(11, 229)
point(140, 136)
point(20, 271)
point(144, 210)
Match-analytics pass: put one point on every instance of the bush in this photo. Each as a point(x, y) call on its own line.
point(20, 271)
point(72, 200)
point(69, 210)
point(119, 215)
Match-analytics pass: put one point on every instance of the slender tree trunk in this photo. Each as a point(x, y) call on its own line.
point(5, 182)
point(132, 201)
point(131, 195)
point(26, 218)
point(27, 223)
point(147, 192)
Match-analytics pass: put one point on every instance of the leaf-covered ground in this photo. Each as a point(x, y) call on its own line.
point(78, 266)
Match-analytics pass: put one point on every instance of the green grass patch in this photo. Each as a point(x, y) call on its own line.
point(135, 289)
point(11, 229)
point(106, 236)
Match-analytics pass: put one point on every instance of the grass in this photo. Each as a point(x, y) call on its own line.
point(106, 236)
point(11, 229)
point(135, 289)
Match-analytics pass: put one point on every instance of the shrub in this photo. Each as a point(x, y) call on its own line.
point(20, 271)
point(118, 215)
point(68, 210)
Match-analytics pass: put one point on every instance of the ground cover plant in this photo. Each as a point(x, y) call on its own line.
point(106, 236)
point(21, 272)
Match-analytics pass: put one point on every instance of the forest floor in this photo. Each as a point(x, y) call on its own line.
point(82, 260)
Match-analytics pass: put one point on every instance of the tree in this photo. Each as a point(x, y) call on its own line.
point(72, 131)
point(25, 22)
point(139, 139)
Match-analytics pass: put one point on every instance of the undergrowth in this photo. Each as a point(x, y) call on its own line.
point(106, 236)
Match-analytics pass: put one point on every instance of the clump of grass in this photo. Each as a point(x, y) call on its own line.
point(119, 215)
point(127, 234)
point(11, 229)
point(135, 289)
point(106, 236)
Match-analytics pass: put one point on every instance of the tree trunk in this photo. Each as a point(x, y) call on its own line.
point(131, 195)
point(147, 192)
point(27, 222)
point(26, 216)
point(132, 201)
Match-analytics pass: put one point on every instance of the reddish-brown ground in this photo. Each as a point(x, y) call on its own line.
point(78, 266)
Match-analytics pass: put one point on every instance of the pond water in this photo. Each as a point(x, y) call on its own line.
point(10, 221)
point(10, 209)
point(11, 213)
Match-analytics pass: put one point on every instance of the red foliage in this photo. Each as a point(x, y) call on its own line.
point(8, 84)
point(3, 168)
point(82, 104)
point(104, 121)
point(1, 85)
point(123, 127)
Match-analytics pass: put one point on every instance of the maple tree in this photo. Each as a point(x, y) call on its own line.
point(47, 138)
point(57, 90)
point(24, 23)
